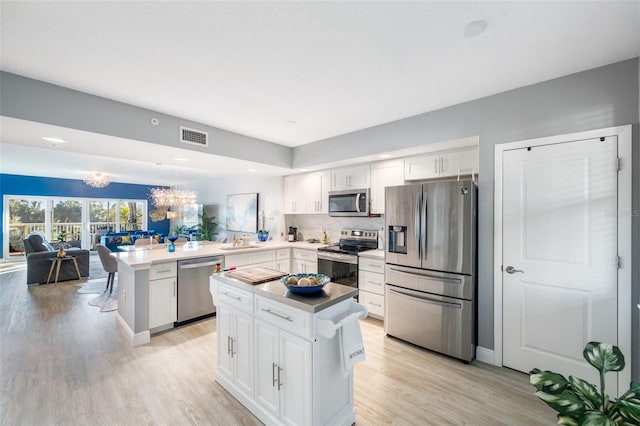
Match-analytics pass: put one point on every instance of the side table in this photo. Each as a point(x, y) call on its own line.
point(56, 262)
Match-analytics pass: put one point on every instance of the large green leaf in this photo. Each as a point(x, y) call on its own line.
point(603, 356)
point(587, 392)
point(568, 421)
point(629, 405)
point(566, 403)
point(595, 418)
point(548, 381)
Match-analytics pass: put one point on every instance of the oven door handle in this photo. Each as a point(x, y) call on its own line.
point(335, 257)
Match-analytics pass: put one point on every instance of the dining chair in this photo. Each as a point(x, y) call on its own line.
point(109, 264)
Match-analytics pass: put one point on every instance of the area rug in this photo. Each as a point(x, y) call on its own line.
point(105, 301)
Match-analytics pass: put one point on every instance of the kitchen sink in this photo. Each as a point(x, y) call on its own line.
point(238, 247)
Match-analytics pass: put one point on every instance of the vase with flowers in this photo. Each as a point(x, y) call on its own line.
point(263, 233)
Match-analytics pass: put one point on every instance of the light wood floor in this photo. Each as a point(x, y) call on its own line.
point(63, 362)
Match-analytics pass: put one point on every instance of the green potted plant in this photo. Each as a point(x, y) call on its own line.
point(579, 402)
point(207, 228)
point(178, 229)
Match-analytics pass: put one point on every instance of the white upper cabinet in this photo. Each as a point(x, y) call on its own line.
point(383, 174)
point(352, 177)
point(306, 193)
point(442, 164)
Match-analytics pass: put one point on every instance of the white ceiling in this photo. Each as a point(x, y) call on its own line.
point(332, 67)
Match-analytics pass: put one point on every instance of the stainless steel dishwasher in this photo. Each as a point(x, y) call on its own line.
point(194, 297)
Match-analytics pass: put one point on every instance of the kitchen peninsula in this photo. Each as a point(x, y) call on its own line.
point(137, 268)
point(280, 353)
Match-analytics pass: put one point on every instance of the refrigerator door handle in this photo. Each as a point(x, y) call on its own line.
point(418, 226)
point(427, 299)
point(436, 277)
point(424, 225)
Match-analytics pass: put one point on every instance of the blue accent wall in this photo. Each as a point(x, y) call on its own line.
point(55, 187)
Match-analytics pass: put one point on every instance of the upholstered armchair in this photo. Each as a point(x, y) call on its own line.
point(39, 253)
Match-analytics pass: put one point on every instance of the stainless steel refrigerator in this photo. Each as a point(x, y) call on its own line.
point(431, 259)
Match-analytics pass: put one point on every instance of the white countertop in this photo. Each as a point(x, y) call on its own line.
point(373, 254)
point(143, 257)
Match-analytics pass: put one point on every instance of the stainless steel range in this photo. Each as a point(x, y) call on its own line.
point(340, 261)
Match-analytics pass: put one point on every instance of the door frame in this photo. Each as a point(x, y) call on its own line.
point(624, 237)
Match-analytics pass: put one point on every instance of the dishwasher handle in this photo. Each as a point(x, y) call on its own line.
point(200, 265)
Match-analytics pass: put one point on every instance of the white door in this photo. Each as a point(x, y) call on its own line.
point(267, 364)
point(295, 380)
point(243, 351)
point(560, 237)
point(224, 319)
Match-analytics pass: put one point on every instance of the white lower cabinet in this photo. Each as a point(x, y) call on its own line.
point(283, 260)
point(235, 347)
point(371, 285)
point(261, 258)
point(305, 261)
point(283, 374)
point(272, 360)
point(163, 295)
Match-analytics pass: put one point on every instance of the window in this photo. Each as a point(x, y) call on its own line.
point(69, 219)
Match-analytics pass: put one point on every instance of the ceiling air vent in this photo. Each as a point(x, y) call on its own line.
point(194, 137)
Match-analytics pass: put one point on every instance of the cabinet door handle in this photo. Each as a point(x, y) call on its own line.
point(174, 288)
point(232, 351)
point(279, 382)
point(435, 165)
point(268, 310)
point(228, 345)
point(232, 296)
point(274, 380)
point(163, 270)
point(375, 304)
point(374, 283)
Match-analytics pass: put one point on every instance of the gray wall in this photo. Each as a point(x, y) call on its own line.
point(34, 100)
point(598, 98)
point(602, 97)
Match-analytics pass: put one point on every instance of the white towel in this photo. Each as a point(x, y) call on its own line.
point(351, 345)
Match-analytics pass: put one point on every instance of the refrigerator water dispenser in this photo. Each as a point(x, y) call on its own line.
point(397, 239)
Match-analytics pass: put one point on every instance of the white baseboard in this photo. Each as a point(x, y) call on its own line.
point(485, 355)
point(137, 339)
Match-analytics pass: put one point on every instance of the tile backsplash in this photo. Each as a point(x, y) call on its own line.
point(312, 225)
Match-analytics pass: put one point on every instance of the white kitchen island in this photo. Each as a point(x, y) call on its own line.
point(147, 279)
point(279, 352)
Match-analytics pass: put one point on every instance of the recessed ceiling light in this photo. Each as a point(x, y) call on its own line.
point(291, 122)
point(181, 159)
point(384, 155)
point(251, 170)
point(53, 139)
point(475, 28)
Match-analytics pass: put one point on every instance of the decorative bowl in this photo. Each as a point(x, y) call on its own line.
point(321, 279)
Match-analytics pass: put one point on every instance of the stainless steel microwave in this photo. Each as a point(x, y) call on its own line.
point(352, 202)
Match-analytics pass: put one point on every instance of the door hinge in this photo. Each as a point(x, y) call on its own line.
point(618, 164)
point(618, 262)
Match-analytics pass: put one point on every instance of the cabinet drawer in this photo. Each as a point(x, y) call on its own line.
point(373, 265)
point(301, 254)
point(163, 270)
point(373, 302)
point(283, 254)
point(371, 281)
point(282, 316)
point(249, 258)
point(235, 297)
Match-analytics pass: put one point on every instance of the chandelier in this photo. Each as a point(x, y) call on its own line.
point(167, 197)
point(97, 180)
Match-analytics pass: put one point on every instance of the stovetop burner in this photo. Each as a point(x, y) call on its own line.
point(353, 241)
